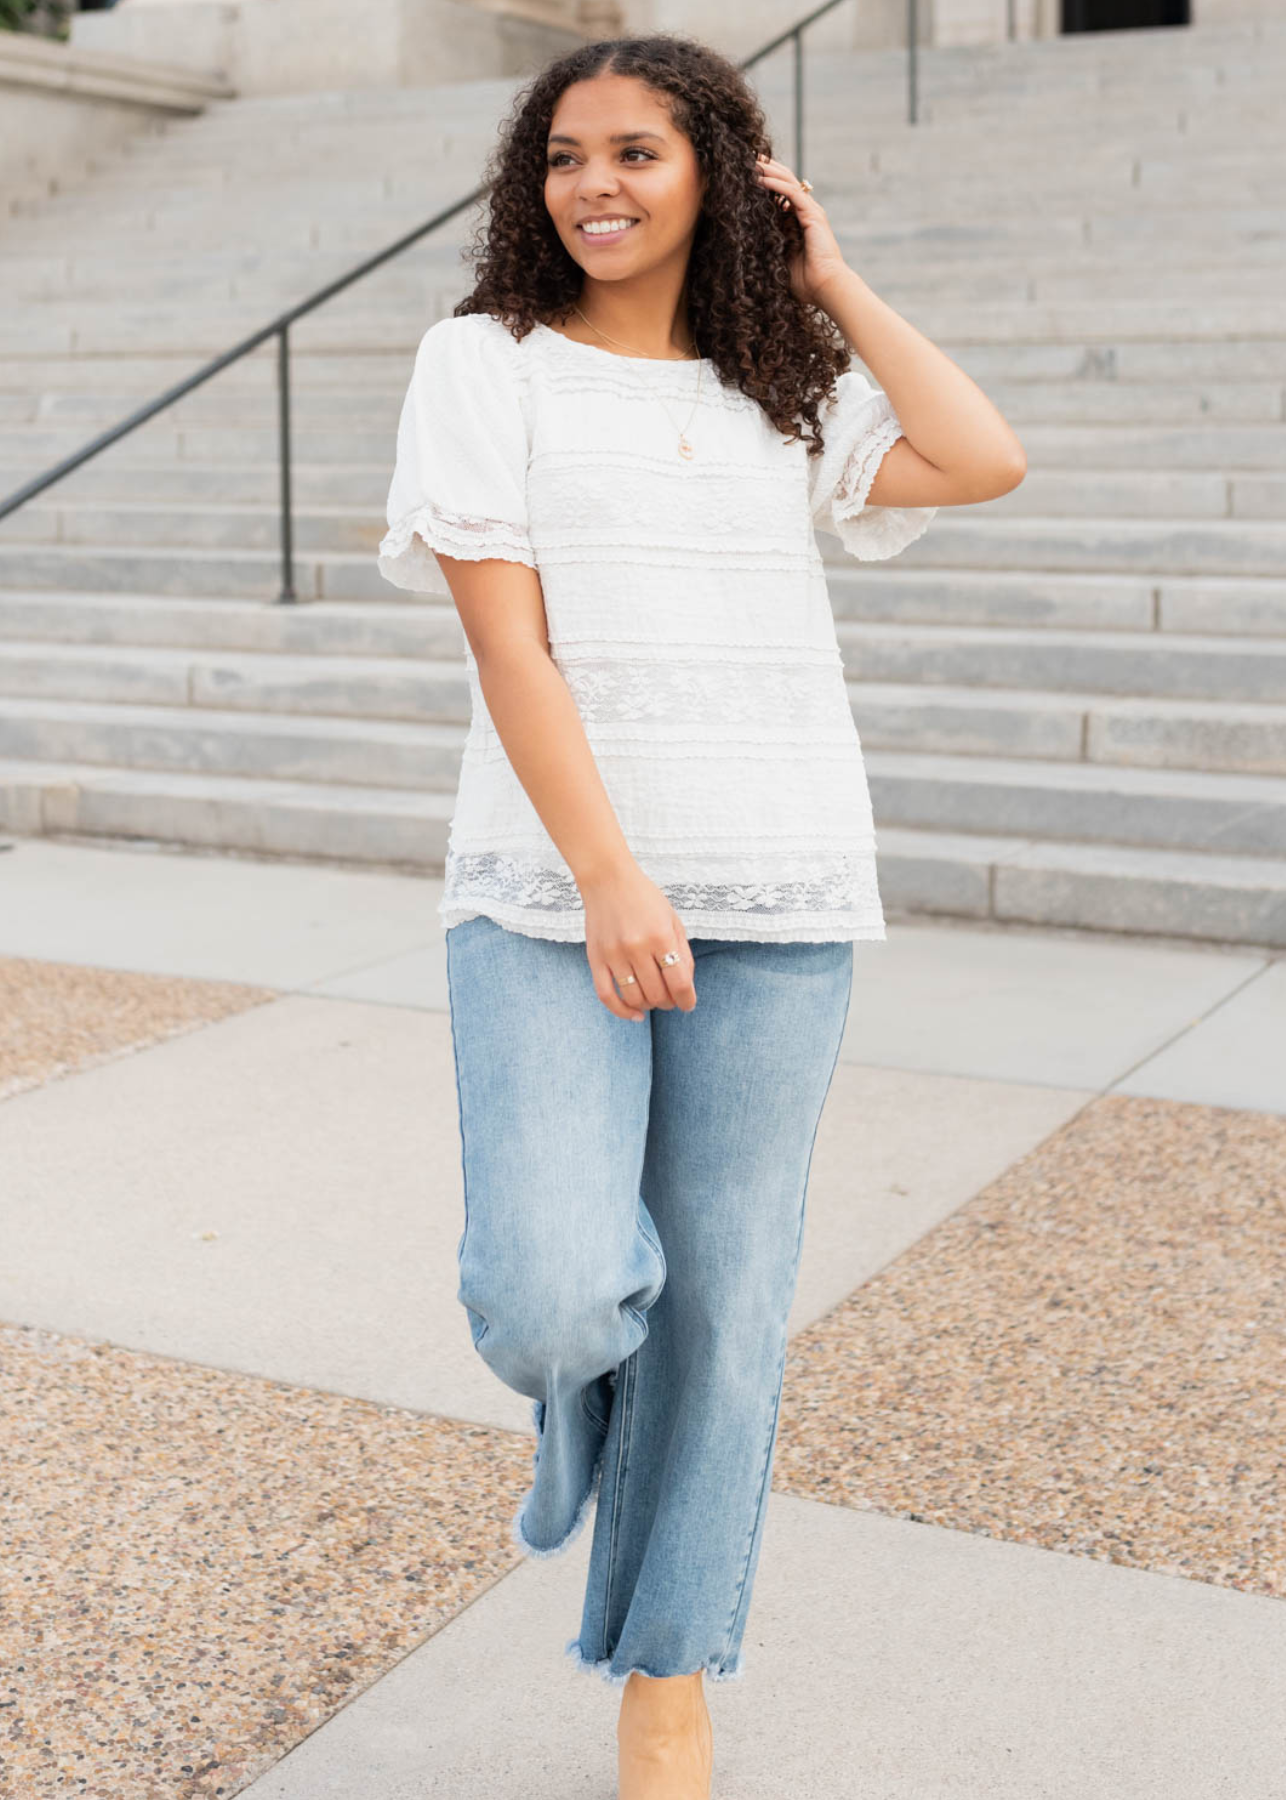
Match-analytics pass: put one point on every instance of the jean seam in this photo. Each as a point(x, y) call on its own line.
point(655, 1242)
point(636, 1314)
point(625, 1401)
point(590, 1414)
point(464, 1159)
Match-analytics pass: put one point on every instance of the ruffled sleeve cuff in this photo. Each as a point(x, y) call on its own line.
point(863, 428)
point(406, 555)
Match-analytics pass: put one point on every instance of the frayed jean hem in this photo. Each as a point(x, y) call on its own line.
point(715, 1667)
point(517, 1528)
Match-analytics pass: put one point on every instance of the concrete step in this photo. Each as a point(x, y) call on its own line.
point(227, 574)
point(206, 740)
point(322, 628)
point(390, 827)
point(1171, 664)
point(1253, 606)
point(1095, 887)
point(1153, 493)
point(127, 524)
point(169, 217)
point(1110, 546)
point(1164, 809)
point(1154, 733)
point(337, 687)
point(108, 480)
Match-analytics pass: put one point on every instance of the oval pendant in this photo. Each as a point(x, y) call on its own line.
point(685, 448)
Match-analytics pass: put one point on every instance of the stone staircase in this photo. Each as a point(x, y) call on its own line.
point(1072, 700)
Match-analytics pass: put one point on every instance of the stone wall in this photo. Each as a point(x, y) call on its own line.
point(301, 46)
point(61, 105)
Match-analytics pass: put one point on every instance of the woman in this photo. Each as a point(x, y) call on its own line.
point(662, 815)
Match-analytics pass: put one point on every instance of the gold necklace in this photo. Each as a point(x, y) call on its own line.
point(685, 448)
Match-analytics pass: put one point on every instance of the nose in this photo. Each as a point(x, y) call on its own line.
point(592, 182)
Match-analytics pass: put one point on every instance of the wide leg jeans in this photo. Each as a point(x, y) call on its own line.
point(634, 1209)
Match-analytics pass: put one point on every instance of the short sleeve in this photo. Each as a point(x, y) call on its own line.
point(858, 426)
point(459, 481)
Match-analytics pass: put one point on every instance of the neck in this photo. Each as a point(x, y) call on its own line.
point(647, 325)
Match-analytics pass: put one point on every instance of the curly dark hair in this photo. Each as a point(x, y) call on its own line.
point(780, 351)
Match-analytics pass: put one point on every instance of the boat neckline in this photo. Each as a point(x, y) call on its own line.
point(650, 362)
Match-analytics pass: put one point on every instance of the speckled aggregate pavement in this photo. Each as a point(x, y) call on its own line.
point(200, 1566)
point(55, 1017)
point(204, 1566)
point(1090, 1355)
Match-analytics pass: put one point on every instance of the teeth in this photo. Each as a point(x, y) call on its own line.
point(601, 225)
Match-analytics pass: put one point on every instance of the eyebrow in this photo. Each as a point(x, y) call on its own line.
point(618, 137)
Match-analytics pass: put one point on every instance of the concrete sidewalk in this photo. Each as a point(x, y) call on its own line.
point(1043, 1239)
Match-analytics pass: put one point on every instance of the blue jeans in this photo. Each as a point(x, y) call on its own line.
point(634, 1208)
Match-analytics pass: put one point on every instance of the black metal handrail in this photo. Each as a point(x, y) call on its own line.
point(280, 326)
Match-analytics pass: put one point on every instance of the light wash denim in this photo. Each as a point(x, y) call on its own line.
point(634, 1209)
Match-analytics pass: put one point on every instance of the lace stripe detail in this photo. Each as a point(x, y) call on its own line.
point(768, 694)
point(839, 893)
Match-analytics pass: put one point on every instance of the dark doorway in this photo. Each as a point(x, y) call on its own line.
point(1123, 15)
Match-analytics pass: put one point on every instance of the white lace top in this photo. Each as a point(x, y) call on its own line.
point(686, 608)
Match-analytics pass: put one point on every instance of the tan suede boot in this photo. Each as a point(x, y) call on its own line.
point(664, 1739)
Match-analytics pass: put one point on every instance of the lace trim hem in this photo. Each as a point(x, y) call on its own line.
point(822, 899)
point(720, 925)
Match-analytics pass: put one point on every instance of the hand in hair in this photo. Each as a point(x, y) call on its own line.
point(820, 256)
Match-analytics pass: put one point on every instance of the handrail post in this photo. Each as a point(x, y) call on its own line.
point(797, 38)
point(912, 71)
point(287, 593)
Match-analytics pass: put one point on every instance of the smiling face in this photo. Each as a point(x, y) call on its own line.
point(614, 155)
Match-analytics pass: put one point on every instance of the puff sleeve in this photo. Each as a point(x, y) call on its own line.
point(858, 426)
point(459, 482)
